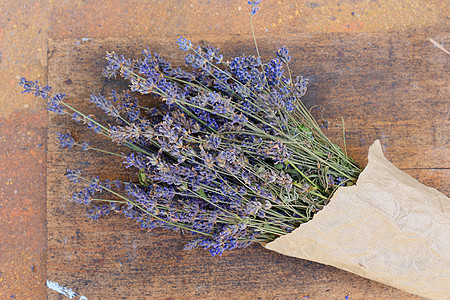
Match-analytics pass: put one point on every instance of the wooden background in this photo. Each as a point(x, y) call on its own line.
point(392, 87)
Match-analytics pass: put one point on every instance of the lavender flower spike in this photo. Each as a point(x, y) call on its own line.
point(254, 4)
point(283, 55)
point(34, 87)
point(54, 104)
point(74, 175)
point(66, 140)
point(184, 43)
point(105, 104)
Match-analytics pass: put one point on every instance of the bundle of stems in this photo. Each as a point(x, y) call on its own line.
point(232, 155)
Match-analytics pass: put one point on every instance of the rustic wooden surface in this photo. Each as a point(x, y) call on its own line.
point(392, 87)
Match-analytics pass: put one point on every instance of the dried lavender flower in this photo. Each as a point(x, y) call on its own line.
point(232, 156)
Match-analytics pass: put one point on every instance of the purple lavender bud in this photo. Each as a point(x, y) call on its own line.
point(93, 126)
point(55, 104)
point(242, 90)
point(85, 146)
point(283, 55)
point(77, 197)
point(45, 92)
point(300, 86)
point(96, 212)
point(74, 175)
point(273, 72)
point(216, 251)
point(253, 207)
point(94, 185)
point(212, 53)
point(192, 244)
point(115, 65)
point(254, 10)
point(133, 114)
point(254, 4)
point(65, 140)
point(147, 54)
point(118, 134)
point(135, 160)
point(34, 87)
point(213, 141)
point(105, 105)
point(77, 117)
point(140, 195)
point(289, 103)
point(117, 183)
point(184, 44)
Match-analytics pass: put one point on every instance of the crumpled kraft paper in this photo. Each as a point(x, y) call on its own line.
point(388, 227)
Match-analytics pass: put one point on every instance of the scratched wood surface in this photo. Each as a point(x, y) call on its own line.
point(392, 87)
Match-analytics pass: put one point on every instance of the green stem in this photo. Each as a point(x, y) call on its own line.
point(301, 173)
point(103, 151)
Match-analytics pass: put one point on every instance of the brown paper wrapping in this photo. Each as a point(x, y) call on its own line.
point(388, 227)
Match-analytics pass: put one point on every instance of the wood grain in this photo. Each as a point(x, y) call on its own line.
point(392, 87)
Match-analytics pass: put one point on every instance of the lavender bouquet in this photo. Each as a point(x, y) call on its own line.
point(231, 155)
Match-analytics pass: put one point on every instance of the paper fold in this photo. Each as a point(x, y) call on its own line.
point(388, 227)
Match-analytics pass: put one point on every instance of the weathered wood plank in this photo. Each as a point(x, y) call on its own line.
point(390, 87)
